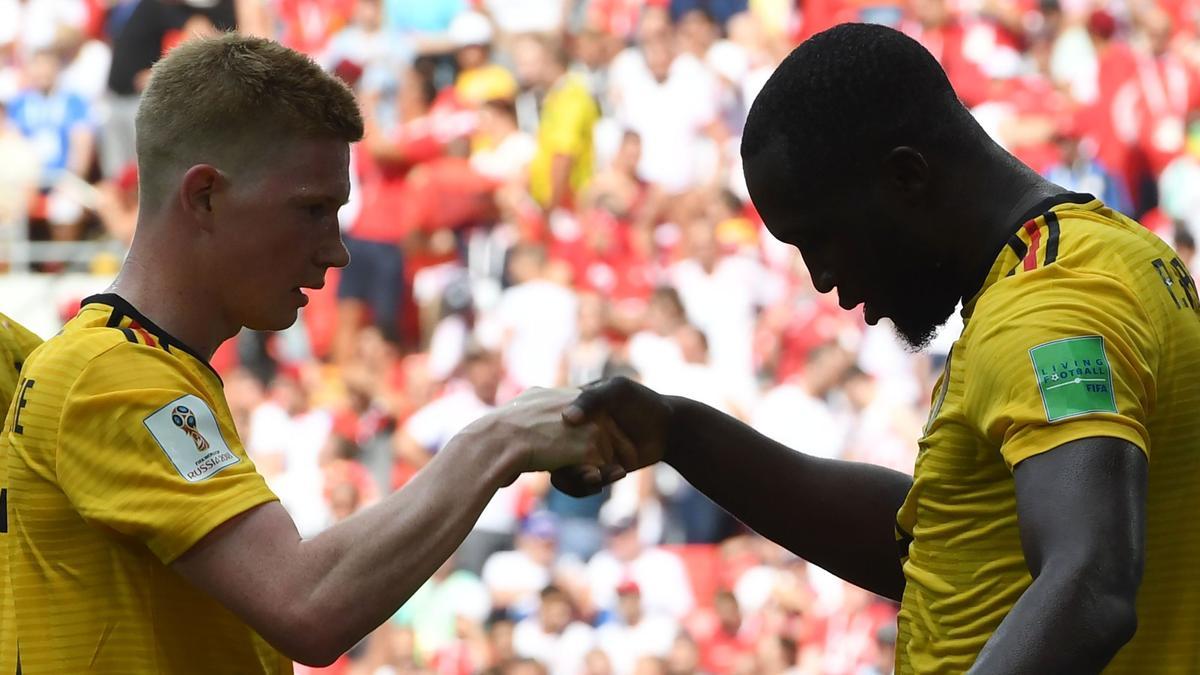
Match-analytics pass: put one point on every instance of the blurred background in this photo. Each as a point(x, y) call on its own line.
point(550, 192)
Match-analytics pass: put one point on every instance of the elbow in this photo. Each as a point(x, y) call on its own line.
point(307, 638)
point(1117, 618)
point(311, 645)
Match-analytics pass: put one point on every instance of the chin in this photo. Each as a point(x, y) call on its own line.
point(275, 321)
point(917, 326)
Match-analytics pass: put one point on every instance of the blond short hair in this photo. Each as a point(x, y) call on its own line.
point(210, 99)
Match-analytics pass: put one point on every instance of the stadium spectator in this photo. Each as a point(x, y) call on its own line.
point(435, 613)
point(563, 163)
point(631, 635)
point(61, 126)
point(479, 79)
point(516, 577)
point(362, 52)
point(597, 663)
point(660, 574)
point(552, 636)
point(374, 281)
point(151, 28)
point(535, 318)
point(431, 427)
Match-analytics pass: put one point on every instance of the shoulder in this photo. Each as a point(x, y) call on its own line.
point(1073, 261)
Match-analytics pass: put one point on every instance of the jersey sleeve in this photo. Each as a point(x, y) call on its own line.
point(146, 452)
point(1060, 356)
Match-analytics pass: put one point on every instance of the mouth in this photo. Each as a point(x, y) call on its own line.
point(302, 297)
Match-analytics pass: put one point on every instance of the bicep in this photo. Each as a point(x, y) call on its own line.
point(1081, 508)
point(244, 565)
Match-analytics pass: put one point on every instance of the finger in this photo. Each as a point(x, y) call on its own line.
point(577, 481)
point(603, 445)
point(611, 473)
point(624, 451)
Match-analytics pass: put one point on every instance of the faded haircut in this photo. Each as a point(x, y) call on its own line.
point(218, 100)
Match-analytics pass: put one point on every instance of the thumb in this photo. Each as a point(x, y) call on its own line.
point(573, 414)
point(589, 401)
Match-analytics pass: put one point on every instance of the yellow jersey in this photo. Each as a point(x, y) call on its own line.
point(1086, 326)
point(16, 343)
point(569, 115)
point(121, 455)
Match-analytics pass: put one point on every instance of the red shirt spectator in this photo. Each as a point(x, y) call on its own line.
point(306, 25)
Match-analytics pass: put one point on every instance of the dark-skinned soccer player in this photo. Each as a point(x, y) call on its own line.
point(1049, 526)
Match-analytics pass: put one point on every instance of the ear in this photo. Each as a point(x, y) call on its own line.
point(200, 184)
point(906, 172)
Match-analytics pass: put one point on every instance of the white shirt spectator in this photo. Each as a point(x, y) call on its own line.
point(380, 54)
point(526, 16)
point(666, 590)
point(515, 571)
point(538, 318)
point(434, 425)
point(790, 415)
point(624, 645)
point(724, 305)
point(509, 159)
point(649, 352)
point(299, 440)
point(669, 116)
point(562, 653)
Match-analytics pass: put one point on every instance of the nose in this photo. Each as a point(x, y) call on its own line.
point(335, 254)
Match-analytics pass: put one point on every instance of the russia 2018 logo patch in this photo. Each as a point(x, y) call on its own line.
point(188, 433)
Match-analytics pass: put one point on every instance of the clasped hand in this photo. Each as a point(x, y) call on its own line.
point(589, 437)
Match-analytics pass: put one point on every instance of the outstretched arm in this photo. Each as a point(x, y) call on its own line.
point(839, 515)
point(364, 568)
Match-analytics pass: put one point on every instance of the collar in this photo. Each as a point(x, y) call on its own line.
point(122, 309)
point(1006, 257)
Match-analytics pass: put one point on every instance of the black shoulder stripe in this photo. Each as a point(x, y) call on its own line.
point(1018, 246)
point(114, 319)
point(1051, 238)
point(129, 335)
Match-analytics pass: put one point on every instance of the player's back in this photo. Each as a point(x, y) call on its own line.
point(122, 457)
point(1168, 634)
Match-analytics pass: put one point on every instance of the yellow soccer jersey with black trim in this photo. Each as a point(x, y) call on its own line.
point(16, 344)
point(1086, 326)
point(123, 456)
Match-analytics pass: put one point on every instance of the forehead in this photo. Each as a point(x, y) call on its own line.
point(308, 168)
point(774, 193)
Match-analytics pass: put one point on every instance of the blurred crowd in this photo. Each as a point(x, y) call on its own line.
point(550, 192)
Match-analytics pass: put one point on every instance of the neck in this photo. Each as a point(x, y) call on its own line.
point(167, 292)
point(994, 196)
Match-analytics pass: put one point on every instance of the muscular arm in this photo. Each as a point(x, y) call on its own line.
point(359, 571)
point(839, 515)
point(1081, 509)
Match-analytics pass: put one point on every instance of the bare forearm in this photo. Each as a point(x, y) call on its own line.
point(839, 515)
point(1061, 624)
point(365, 568)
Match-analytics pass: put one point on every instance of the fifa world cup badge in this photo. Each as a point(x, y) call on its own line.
point(183, 418)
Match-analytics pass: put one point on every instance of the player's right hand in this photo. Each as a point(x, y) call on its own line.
point(635, 418)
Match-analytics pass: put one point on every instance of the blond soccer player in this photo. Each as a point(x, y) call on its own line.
point(141, 538)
